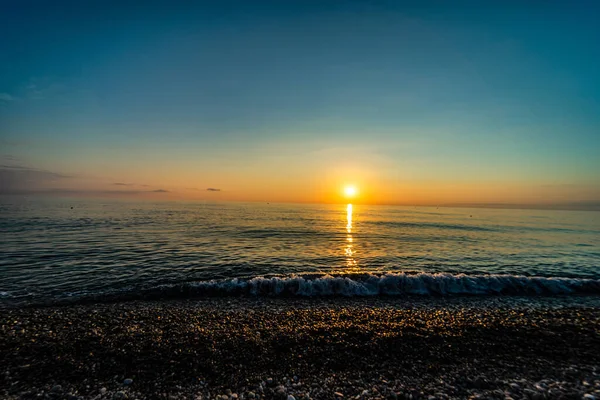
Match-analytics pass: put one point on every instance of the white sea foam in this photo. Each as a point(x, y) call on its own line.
point(357, 285)
point(391, 284)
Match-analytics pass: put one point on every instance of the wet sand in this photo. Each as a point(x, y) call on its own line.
point(491, 347)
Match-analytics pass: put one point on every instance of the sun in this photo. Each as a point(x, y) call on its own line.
point(350, 191)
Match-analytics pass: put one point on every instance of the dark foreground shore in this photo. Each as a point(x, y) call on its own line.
point(289, 348)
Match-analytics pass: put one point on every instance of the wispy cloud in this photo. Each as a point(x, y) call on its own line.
point(32, 171)
point(78, 192)
point(213, 190)
point(17, 178)
point(122, 184)
point(6, 98)
point(41, 88)
point(32, 191)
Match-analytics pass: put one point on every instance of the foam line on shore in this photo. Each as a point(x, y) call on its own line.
point(357, 285)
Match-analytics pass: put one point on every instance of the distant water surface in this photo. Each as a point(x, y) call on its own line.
point(55, 248)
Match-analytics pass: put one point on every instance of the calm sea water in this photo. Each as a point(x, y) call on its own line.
point(58, 248)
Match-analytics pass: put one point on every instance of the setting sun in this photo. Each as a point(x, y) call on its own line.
point(350, 191)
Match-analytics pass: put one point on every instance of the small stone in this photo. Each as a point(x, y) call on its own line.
point(290, 397)
point(234, 396)
point(119, 395)
point(103, 390)
point(338, 394)
point(127, 382)
point(280, 392)
point(251, 395)
point(56, 389)
point(270, 381)
point(479, 383)
point(589, 397)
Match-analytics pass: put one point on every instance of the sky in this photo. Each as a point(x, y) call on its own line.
point(424, 103)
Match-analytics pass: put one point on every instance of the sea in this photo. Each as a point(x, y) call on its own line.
point(58, 250)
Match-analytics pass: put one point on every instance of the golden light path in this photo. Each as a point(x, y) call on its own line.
point(349, 250)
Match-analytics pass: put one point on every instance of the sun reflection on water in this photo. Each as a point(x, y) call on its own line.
point(349, 249)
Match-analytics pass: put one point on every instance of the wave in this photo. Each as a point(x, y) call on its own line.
point(356, 285)
point(434, 225)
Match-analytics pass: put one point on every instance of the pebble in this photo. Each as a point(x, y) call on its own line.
point(119, 395)
point(498, 381)
point(280, 392)
point(479, 383)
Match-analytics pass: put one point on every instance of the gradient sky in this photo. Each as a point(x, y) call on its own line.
point(413, 102)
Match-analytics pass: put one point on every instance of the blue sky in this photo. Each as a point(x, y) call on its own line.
point(245, 95)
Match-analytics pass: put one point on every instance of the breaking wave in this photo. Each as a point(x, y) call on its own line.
point(389, 284)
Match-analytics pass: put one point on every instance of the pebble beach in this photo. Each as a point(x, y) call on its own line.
point(277, 348)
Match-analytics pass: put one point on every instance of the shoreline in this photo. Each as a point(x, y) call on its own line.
point(403, 285)
point(460, 347)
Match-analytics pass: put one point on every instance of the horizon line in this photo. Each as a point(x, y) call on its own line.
point(565, 206)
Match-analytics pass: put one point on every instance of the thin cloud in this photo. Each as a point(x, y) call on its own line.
point(5, 97)
point(78, 192)
point(122, 184)
point(213, 190)
point(18, 178)
point(60, 191)
point(43, 88)
point(33, 171)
